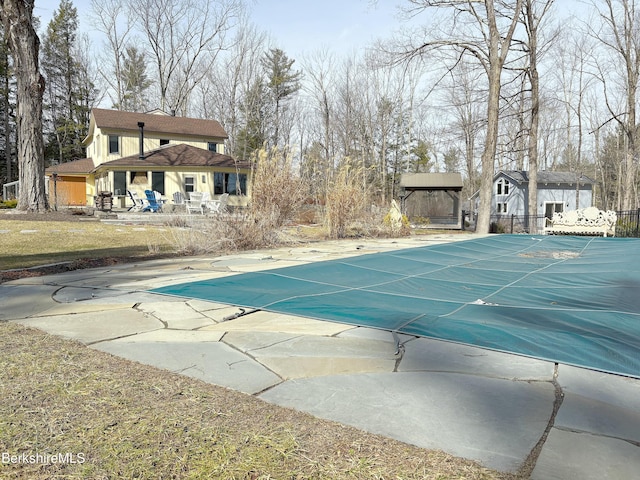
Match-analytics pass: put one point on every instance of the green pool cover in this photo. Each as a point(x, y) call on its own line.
point(572, 300)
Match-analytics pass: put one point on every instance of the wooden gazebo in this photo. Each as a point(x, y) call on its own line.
point(433, 196)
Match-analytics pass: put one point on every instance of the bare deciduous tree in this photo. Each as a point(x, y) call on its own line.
point(319, 87)
point(224, 90)
point(465, 95)
point(107, 17)
point(620, 34)
point(534, 12)
point(184, 37)
point(484, 30)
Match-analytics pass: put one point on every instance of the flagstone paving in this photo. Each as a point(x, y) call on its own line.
point(489, 406)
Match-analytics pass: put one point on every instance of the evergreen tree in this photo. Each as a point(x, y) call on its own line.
point(7, 113)
point(283, 82)
point(70, 92)
point(252, 136)
point(135, 82)
point(421, 161)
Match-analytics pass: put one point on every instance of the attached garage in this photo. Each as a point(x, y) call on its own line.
point(71, 184)
point(67, 191)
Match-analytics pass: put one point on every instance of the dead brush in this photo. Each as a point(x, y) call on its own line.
point(200, 237)
point(176, 220)
point(251, 231)
point(347, 201)
point(277, 195)
point(277, 191)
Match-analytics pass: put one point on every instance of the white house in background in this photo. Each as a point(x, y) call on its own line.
point(557, 192)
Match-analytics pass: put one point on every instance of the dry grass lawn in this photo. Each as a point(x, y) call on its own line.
point(31, 243)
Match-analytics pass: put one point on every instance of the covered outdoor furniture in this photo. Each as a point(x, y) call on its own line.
point(220, 205)
point(194, 204)
point(138, 203)
point(155, 202)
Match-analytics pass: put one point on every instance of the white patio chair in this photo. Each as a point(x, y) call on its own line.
point(194, 204)
point(178, 198)
point(139, 204)
point(220, 205)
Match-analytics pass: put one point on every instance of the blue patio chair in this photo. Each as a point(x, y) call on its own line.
point(155, 205)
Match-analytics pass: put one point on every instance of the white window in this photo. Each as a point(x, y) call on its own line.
point(212, 146)
point(502, 187)
point(502, 207)
point(189, 184)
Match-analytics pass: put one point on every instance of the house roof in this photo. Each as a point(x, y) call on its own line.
point(431, 181)
point(546, 176)
point(181, 155)
point(83, 166)
point(154, 123)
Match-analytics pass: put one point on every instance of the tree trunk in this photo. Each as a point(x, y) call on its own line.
point(630, 165)
point(489, 152)
point(24, 45)
point(533, 19)
point(493, 106)
point(498, 46)
point(6, 119)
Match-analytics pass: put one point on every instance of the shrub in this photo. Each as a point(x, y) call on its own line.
point(401, 227)
point(8, 204)
point(277, 192)
point(346, 201)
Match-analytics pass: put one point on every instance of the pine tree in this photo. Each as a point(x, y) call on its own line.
point(283, 82)
point(70, 93)
point(135, 82)
point(7, 114)
point(252, 136)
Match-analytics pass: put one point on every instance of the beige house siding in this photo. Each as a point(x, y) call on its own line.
point(174, 181)
point(129, 143)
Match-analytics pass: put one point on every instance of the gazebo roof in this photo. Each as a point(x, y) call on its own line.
point(431, 181)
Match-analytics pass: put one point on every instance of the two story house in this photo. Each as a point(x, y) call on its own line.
point(557, 192)
point(149, 151)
